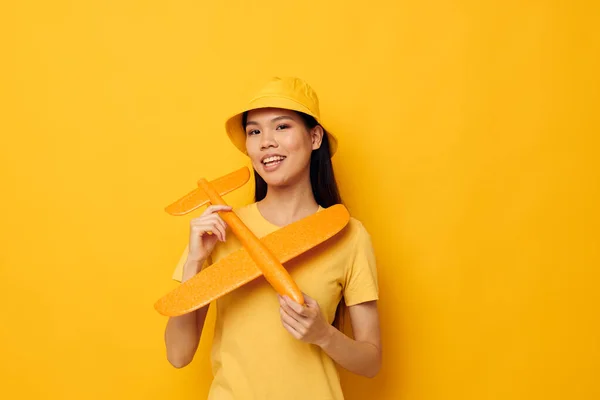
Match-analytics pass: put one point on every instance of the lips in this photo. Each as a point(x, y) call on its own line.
point(271, 160)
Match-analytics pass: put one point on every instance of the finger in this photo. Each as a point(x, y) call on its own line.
point(219, 229)
point(291, 330)
point(218, 221)
point(294, 325)
point(298, 308)
point(209, 217)
point(210, 229)
point(216, 208)
point(291, 312)
point(288, 306)
point(310, 302)
point(223, 224)
point(212, 224)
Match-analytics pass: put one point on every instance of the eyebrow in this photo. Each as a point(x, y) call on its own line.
point(273, 120)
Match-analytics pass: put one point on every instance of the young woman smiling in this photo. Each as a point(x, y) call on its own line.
point(266, 346)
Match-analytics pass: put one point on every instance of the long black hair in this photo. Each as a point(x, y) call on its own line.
point(322, 179)
point(323, 183)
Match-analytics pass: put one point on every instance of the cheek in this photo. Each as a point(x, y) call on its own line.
point(298, 143)
point(252, 150)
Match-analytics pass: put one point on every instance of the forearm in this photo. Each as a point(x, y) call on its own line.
point(182, 337)
point(182, 333)
point(361, 358)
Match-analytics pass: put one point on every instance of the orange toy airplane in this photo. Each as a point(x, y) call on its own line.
point(257, 257)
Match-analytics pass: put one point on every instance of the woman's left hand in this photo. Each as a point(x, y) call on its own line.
point(305, 323)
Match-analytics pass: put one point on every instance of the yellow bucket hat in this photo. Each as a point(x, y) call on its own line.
point(287, 93)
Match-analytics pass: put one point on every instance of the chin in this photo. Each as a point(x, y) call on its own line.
point(277, 182)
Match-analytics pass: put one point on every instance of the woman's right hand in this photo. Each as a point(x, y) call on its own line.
point(205, 231)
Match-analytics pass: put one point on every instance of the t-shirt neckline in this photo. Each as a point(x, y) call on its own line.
point(266, 221)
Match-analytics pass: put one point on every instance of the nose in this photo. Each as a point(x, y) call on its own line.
point(267, 139)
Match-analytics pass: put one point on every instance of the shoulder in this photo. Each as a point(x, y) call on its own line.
point(351, 239)
point(360, 279)
point(357, 225)
point(357, 230)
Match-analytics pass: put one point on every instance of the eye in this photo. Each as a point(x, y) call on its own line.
point(282, 126)
point(253, 132)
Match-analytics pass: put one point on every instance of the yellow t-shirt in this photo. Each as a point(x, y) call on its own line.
point(253, 356)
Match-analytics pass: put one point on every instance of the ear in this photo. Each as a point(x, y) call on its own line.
point(316, 136)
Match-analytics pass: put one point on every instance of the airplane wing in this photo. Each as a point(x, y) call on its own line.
point(197, 197)
point(237, 269)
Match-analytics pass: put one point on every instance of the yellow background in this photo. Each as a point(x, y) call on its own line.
point(468, 149)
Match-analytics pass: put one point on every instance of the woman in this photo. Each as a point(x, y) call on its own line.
point(266, 346)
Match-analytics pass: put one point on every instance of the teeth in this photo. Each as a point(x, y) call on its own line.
point(272, 159)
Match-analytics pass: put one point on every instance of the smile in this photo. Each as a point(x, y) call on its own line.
point(273, 160)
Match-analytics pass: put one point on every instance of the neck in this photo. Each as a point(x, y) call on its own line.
point(284, 205)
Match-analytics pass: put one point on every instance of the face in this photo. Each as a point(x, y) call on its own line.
point(280, 145)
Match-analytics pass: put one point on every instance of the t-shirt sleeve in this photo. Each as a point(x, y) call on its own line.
point(178, 272)
point(361, 278)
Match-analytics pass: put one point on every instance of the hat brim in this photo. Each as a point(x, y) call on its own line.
point(236, 131)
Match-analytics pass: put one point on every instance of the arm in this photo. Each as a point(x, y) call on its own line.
point(361, 355)
point(182, 334)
